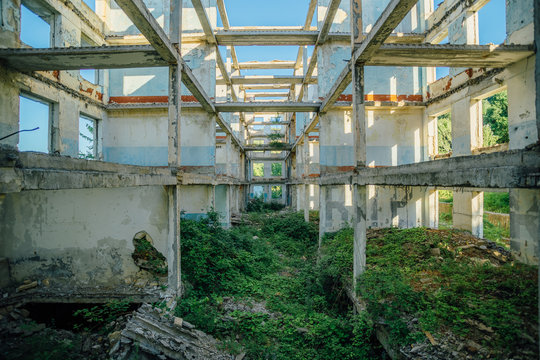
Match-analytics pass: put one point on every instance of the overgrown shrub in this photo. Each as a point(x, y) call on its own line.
point(257, 204)
point(216, 260)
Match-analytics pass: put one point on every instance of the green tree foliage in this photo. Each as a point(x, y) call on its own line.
point(277, 169)
point(88, 152)
point(444, 129)
point(277, 192)
point(495, 114)
point(258, 169)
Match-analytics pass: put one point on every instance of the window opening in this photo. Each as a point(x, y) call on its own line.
point(258, 169)
point(277, 192)
point(87, 138)
point(35, 30)
point(34, 113)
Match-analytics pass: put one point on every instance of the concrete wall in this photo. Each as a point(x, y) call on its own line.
point(196, 200)
point(136, 137)
point(80, 237)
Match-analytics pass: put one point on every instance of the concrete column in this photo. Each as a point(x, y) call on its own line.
point(360, 140)
point(464, 30)
point(360, 239)
point(229, 156)
point(305, 151)
point(467, 129)
point(468, 211)
point(222, 204)
point(173, 242)
point(522, 98)
point(175, 84)
point(198, 136)
point(525, 224)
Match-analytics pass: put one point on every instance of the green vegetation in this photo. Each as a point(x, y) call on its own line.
point(277, 192)
point(277, 169)
point(258, 169)
point(494, 202)
point(495, 115)
point(275, 136)
point(98, 317)
point(256, 288)
point(428, 280)
point(497, 202)
point(495, 121)
point(258, 205)
point(446, 196)
point(444, 130)
point(48, 345)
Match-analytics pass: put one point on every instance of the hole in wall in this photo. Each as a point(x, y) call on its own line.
point(146, 256)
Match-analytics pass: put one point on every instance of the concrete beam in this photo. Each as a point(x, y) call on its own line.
point(292, 37)
point(328, 20)
point(272, 37)
point(227, 129)
point(274, 64)
point(75, 58)
point(266, 79)
point(321, 38)
point(267, 94)
point(508, 169)
point(211, 38)
point(196, 89)
point(387, 22)
point(266, 86)
point(22, 171)
point(428, 55)
point(285, 147)
point(274, 106)
point(139, 14)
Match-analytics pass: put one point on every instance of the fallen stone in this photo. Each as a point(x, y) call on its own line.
point(301, 330)
point(114, 337)
point(158, 336)
point(417, 348)
point(25, 313)
point(30, 285)
point(435, 252)
point(178, 322)
point(46, 282)
point(240, 356)
point(472, 346)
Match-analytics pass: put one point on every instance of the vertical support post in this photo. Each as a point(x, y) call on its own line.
point(468, 210)
point(175, 78)
point(175, 83)
point(360, 238)
point(525, 224)
point(229, 155)
point(175, 22)
point(359, 136)
point(173, 241)
point(306, 176)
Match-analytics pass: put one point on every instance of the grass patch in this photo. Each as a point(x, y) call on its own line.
point(497, 202)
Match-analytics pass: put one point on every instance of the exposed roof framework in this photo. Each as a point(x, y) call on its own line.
point(379, 47)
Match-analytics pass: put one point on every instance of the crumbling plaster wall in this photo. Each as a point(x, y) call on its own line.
point(80, 237)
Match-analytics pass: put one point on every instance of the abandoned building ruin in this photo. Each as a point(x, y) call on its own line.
point(179, 128)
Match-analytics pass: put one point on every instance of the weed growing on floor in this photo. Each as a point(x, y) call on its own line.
point(443, 289)
point(97, 317)
point(257, 289)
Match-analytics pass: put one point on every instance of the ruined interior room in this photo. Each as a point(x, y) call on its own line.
point(125, 124)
